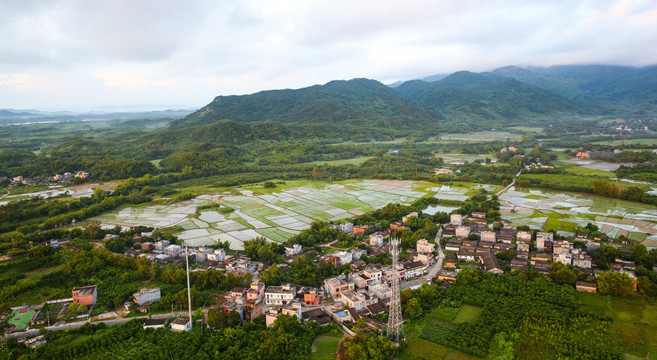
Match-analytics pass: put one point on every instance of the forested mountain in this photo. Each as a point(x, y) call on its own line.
point(489, 99)
point(600, 85)
point(359, 102)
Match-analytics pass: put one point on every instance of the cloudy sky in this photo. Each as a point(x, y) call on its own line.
point(86, 54)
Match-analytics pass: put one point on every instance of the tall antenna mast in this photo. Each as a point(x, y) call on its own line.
point(395, 332)
point(189, 293)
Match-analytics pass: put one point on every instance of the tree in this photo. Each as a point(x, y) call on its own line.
point(73, 309)
point(412, 309)
point(217, 318)
point(615, 283)
point(269, 185)
point(562, 274)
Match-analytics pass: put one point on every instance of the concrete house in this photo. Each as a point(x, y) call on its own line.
point(423, 246)
point(280, 295)
point(86, 295)
point(145, 296)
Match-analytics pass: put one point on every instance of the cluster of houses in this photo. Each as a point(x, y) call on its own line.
point(586, 155)
point(301, 302)
point(164, 252)
point(541, 251)
point(56, 179)
point(622, 128)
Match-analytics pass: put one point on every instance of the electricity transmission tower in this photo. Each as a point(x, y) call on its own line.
point(395, 332)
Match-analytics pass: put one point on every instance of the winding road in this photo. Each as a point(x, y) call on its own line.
point(433, 270)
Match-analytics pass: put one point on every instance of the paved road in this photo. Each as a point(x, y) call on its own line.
point(433, 270)
point(509, 186)
point(34, 332)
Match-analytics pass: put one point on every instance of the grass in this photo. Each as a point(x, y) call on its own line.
point(156, 162)
point(43, 271)
point(483, 136)
point(527, 129)
point(585, 171)
point(325, 347)
point(628, 142)
point(536, 197)
point(354, 161)
point(423, 349)
point(467, 313)
point(556, 224)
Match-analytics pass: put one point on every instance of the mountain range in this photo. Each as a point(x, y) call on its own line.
point(472, 100)
point(363, 109)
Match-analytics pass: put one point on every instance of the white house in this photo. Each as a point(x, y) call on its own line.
point(202, 254)
point(456, 219)
point(173, 250)
point(146, 295)
point(280, 295)
point(217, 255)
point(345, 257)
point(181, 325)
point(423, 246)
point(292, 250)
point(564, 258)
point(347, 227)
point(161, 245)
point(357, 253)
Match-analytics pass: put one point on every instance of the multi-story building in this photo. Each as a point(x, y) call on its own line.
point(462, 232)
point(173, 250)
point(311, 297)
point(523, 236)
point(334, 287)
point(376, 240)
point(161, 245)
point(456, 220)
point(347, 227)
point(423, 246)
point(217, 255)
point(487, 236)
point(86, 295)
point(255, 296)
point(280, 295)
point(563, 257)
point(542, 239)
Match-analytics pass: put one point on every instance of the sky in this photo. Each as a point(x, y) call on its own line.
point(121, 54)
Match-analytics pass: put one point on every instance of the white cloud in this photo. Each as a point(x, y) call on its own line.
point(71, 53)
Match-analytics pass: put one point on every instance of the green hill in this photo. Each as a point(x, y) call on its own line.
point(619, 88)
point(360, 102)
point(488, 99)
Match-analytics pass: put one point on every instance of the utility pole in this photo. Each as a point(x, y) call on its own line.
point(189, 293)
point(395, 332)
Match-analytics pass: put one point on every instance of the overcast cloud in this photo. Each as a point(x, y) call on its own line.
point(84, 54)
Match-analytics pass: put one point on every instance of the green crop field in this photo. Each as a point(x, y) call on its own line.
point(325, 347)
point(467, 313)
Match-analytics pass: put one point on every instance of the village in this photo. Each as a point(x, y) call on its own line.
point(362, 292)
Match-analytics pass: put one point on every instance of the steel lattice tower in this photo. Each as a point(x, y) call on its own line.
point(395, 332)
